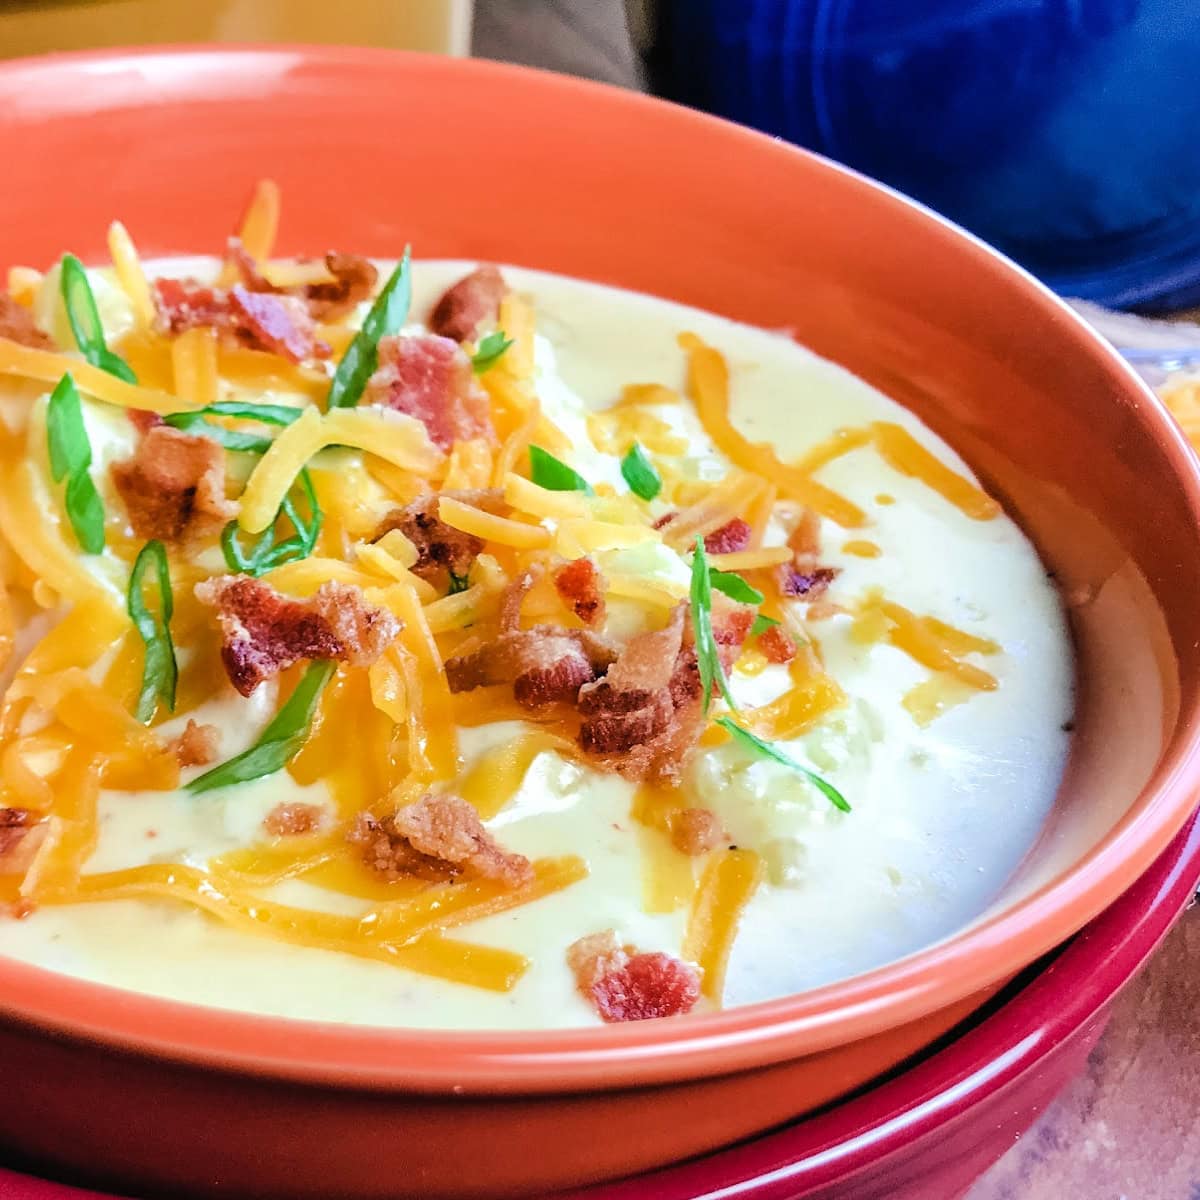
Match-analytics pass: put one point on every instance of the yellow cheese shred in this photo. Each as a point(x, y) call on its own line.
point(130, 275)
point(48, 366)
point(394, 437)
point(490, 527)
point(726, 887)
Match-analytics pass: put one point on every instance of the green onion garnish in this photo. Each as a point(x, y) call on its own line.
point(735, 587)
point(84, 319)
point(279, 742)
point(639, 473)
point(490, 351)
point(707, 657)
point(770, 750)
point(552, 473)
point(195, 421)
point(264, 554)
point(458, 583)
point(387, 315)
point(159, 671)
point(761, 625)
point(70, 457)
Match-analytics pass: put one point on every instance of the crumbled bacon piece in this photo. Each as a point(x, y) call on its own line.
point(17, 325)
point(439, 838)
point(730, 538)
point(807, 583)
point(143, 420)
point(643, 717)
point(623, 985)
point(441, 548)
point(664, 520)
point(293, 819)
point(696, 831)
point(258, 320)
point(581, 587)
point(545, 665)
point(777, 645)
point(174, 485)
point(353, 281)
point(278, 324)
point(21, 833)
point(264, 632)
point(467, 304)
point(803, 577)
point(430, 378)
point(197, 745)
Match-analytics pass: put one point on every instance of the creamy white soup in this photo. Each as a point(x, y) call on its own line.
point(462, 800)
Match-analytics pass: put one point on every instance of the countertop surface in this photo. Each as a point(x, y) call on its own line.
point(1129, 1128)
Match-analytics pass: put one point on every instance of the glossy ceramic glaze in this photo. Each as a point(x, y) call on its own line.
point(374, 150)
point(930, 1131)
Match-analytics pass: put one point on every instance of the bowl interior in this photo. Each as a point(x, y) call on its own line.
point(375, 150)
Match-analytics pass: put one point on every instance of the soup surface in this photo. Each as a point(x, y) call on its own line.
point(887, 747)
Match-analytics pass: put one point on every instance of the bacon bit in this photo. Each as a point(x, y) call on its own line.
point(22, 908)
point(17, 325)
point(809, 584)
point(644, 716)
point(197, 745)
point(354, 280)
point(441, 548)
point(733, 536)
point(263, 632)
point(472, 300)
point(278, 324)
point(546, 664)
point(623, 985)
point(260, 321)
point(777, 645)
point(21, 833)
point(174, 485)
point(142, 420)
point(664, 521)
point(696, 831)
point(430, 378)
point(439, 838)
point(293, 819)
point(581, 587)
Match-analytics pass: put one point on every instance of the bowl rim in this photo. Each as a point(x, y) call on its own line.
point(640, 1053)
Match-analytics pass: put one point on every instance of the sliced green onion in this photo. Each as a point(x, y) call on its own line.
point(84, 319)
point(264, 553)
point(761, 625)
point(387, 315)
point(552, 473)
point(195, 421)
point(770, 750)
point(458, 583)
point(708, 658)
point(279, 742)
point(160, 671)
point(735, 587)
point(70, 457)
point(490, 351)
point(640, 474)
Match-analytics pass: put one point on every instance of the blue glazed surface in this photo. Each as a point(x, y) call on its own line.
point(1065, 132)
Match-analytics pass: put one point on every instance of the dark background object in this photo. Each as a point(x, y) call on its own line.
point(1063, 131)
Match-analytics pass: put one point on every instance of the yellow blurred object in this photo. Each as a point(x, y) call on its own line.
point(41, 26)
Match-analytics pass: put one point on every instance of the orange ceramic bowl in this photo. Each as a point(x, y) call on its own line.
point(376, 149)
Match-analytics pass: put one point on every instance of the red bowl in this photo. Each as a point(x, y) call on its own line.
point(929, 1132)
point(374, 149)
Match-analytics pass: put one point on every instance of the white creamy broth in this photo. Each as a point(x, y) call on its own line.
point(941, 814)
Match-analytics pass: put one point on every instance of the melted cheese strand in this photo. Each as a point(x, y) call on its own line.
point(130, 275)
point(902, 452)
